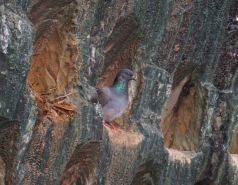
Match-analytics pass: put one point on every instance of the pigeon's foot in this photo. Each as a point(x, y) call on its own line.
point(107, 125)
point(111, 126)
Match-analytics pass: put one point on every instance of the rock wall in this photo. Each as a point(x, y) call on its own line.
point(180, 127)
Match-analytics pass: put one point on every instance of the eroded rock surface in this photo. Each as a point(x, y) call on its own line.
point(180, 127)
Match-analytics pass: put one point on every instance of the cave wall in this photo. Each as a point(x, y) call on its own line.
point(181, 123)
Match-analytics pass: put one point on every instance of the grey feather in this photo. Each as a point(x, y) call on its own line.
point(113, 102)
point(104, 95)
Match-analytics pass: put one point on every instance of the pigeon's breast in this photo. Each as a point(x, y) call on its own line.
point(114, 109)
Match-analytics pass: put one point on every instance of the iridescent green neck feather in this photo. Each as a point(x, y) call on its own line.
point(120, 86)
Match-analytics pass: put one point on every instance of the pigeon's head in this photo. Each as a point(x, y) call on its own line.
point(125, 74)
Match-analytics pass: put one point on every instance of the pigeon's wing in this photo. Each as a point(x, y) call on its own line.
point(104, 95)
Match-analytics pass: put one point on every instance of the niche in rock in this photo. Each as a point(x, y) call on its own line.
point(120, 50)
point(182, 117)
point(82, 166)
point(53, 71)
point(147, 174)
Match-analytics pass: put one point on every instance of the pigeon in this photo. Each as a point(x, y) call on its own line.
point(114, 98)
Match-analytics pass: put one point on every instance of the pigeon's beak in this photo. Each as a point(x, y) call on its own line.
point(133, 78)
